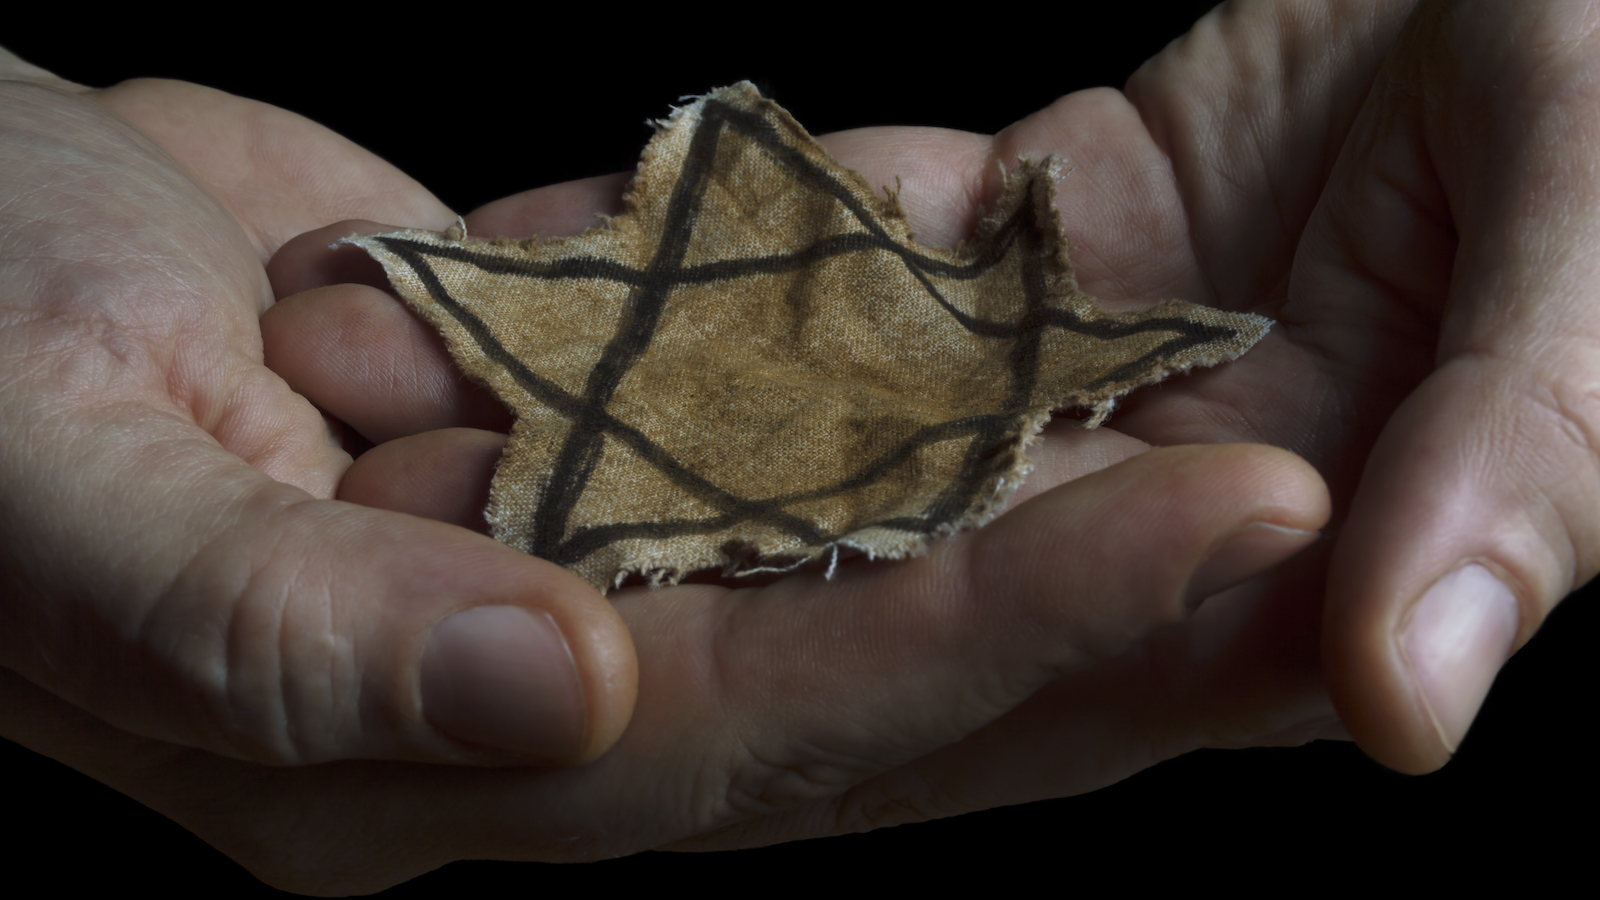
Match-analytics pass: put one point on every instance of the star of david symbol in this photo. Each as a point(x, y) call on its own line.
point(756, 364)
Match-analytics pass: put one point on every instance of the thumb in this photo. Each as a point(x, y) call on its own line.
point(1477, 510)
point(217, 608)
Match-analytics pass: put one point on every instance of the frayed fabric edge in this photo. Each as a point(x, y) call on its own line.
point(658, 572)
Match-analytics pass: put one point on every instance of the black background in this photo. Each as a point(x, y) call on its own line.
point(478, 103)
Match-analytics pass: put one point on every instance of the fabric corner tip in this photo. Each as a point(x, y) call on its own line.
point(692, 104)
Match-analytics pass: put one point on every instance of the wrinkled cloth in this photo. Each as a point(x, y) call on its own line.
point(756, 365)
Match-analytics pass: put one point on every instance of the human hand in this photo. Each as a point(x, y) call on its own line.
point(1407, 191)
point(175, 565)
point(1434, 355)
point(768, 700)
point(1211, 201)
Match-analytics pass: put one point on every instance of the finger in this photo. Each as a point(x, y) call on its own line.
point(317, 259)
point(759, 700)
point(940, 172)
point(1118, 200)
point(559, 210)
point(1476, 512)
point(1248, 110)
point(279, 173)
point(1241, 672)
point(244, 617)
point(1236, 126)
point(1129, 248)
point(445, 475)
point(364, 357)
point(792, 693)
point(313, 259)
point(442, 475)
point(1067, 450)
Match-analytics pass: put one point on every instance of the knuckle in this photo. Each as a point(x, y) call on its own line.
point(758, 782)
point(264, 660)
point(1568, 476)
point(899, 798)
point(1574, 408)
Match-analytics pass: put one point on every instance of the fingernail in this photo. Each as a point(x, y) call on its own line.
point(1257, 546)
point(503, 677)
point(1459, 635)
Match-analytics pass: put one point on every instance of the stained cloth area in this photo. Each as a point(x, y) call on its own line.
point(756, 365)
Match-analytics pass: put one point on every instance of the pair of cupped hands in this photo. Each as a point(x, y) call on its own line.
point(320, 664)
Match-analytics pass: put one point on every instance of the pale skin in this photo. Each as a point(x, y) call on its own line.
point(205, 592)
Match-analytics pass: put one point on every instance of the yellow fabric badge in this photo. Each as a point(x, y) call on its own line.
point(756, 365)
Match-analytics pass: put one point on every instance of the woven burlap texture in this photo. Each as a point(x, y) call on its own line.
point(756, 365)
